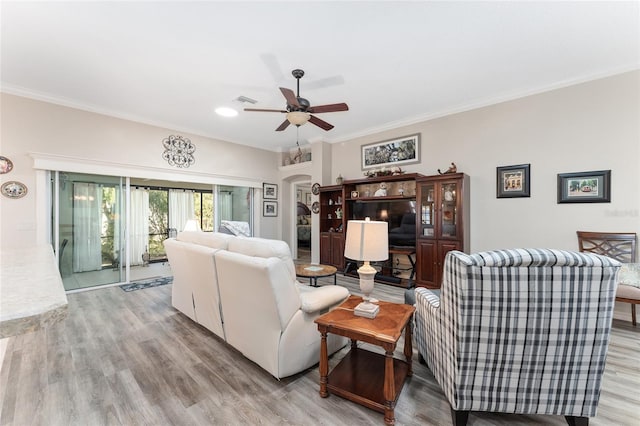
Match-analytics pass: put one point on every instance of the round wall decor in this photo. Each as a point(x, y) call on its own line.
point(178, 151)
point(315, 207)
point(6, 165)
point(315, 188)
point(14, 189)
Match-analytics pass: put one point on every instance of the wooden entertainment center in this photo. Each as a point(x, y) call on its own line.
point(439, 206)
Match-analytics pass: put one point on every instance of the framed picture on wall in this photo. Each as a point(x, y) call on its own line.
point(513, 181)
point(299, 195)
point(269, 191)
point(391, 153)
point(584, 187)
point(307, 198)
point(269, 208)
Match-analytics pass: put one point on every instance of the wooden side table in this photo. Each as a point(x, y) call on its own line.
point(357, 377)
point(313, 272)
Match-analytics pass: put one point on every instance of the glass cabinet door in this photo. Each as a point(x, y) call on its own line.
point(427, 210)
point(448, 218)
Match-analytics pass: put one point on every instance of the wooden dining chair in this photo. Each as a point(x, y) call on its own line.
point(620, 246)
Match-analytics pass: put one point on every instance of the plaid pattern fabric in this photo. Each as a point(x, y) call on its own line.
point(519, 331)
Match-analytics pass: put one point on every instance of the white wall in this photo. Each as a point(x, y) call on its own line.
point(591, 126)
point(586, 127)
point(98, 143)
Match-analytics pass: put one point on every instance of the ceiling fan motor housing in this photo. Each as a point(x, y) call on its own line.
point(304, 104)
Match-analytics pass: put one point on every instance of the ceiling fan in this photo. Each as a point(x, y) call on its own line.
point(299, 110)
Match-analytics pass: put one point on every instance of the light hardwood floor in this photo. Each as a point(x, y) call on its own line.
point(131, 359)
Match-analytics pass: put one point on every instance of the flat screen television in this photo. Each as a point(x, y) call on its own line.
point(399, 214)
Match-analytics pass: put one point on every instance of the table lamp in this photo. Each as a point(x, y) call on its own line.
point(192, 225)
point(367, 241)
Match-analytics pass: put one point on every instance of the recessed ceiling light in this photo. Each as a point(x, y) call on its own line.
point(226, 112)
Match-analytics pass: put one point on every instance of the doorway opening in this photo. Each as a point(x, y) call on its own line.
point(303, 221)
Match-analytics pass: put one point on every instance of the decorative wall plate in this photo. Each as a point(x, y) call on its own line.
point(14, 189)
point(315, 207)
point(6, 165)
point(315, 188)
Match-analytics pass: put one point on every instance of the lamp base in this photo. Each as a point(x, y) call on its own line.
point(367, 310)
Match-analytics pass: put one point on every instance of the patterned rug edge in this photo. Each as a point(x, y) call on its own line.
point(142, 284)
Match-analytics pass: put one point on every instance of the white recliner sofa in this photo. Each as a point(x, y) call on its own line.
point(245, 291)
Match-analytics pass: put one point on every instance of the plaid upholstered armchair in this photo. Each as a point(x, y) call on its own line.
point(519, 331)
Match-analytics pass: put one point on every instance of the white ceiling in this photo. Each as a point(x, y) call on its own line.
point(172, 63)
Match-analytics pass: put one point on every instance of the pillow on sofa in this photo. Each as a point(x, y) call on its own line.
point(234, 227)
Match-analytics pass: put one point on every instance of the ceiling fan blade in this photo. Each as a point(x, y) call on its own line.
point(328, 108)
point(265, 110)
point(320, 123)
point(283, 126)
point(290, 97)
point(336, 80)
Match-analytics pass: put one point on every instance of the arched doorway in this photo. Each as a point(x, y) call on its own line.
point(303, 221)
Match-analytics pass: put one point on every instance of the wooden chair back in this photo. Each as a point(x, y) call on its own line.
point(617, 245)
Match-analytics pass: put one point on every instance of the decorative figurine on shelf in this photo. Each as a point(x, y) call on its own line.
point(382, 191)
point(338, 213)
point(339, 179)
point(452, 169)
point(401, 189)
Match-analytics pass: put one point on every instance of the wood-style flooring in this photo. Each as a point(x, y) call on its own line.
point(131, 359)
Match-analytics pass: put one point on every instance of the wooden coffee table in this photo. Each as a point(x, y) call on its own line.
point(357, 377)
point(313, 272)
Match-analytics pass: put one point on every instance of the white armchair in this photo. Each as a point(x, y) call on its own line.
point(269, 317)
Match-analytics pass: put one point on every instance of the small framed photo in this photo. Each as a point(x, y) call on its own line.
point(270, 208)
point(584, 187)
point(269, 191)
point(299, 195)
point(307, 198)
point(355, 194)
point(513, 181)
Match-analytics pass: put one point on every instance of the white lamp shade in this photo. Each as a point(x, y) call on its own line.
point(367, 240)
point(192, 225)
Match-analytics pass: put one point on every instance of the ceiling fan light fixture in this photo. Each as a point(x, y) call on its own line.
point(298, 118)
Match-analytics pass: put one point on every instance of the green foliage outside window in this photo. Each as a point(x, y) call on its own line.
point(158, 221)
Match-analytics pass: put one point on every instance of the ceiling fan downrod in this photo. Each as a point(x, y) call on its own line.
point(298, 74)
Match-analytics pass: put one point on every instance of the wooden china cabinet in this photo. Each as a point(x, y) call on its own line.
point(332, 226)
point(442, 223)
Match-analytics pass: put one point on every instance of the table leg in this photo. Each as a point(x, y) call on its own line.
point(389, 389)
point(408, 345)
point(324, 365)
point(335, 279)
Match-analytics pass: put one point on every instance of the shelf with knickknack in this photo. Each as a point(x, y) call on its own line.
point(383, 187)
point(443, 223)
point(332, 225)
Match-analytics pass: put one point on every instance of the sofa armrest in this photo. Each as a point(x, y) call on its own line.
point(318, 299)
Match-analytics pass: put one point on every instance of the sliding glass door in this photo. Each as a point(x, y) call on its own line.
point(90, 213)
point(234, 203)
point(96, 243)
